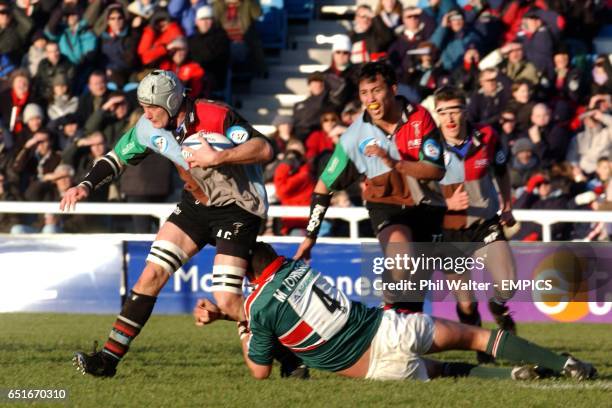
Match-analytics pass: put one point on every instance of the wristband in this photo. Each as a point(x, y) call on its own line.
point(103, 172)
point(318, 207)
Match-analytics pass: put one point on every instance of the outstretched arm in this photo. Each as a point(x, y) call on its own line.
point(256, 150)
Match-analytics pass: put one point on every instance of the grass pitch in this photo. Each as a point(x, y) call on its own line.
point(175, 364)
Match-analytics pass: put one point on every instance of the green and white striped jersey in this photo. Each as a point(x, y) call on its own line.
point(298, 306)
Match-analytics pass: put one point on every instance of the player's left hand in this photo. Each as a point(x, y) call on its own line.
point(507, 219)
point(206, 312)
point(203, 157)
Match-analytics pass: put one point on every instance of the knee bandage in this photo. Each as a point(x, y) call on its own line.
point(227, 278)
point(167, 255)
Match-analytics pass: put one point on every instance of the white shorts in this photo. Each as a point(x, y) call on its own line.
point(397, 345)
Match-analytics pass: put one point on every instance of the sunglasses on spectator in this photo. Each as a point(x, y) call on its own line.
point(4, 11)
point(330, 119)
point(116, 18)
point(342, 52)
point(507, 120)
point(363, 16)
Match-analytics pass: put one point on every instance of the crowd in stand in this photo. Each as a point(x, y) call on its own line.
point(69, 69)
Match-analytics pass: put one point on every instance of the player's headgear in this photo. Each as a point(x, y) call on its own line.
point(162, 88)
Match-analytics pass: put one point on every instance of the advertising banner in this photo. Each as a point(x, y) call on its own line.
point(68, 275)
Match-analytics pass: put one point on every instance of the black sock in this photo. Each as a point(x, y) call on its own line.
point(472, 318)
point(135, 313)
point(472, 370)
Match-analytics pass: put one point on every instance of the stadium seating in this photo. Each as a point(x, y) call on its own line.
point(272, 25)
point(300, 9)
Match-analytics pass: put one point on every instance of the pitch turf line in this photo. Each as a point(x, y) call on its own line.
point(604, 385)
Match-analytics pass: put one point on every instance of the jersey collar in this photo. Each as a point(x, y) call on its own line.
point(269, 270)
point(471, 144)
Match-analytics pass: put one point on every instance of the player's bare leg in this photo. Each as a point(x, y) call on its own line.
point(397, 240)
point(226, 269)
point(499, 262)
point(171, 249)
point(501, 344)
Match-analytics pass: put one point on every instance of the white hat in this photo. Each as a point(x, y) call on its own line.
point(31, 111)
point(341, 42)
point(204, 12)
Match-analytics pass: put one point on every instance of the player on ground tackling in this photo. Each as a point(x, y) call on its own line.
point(296, 305)
point(223, 203)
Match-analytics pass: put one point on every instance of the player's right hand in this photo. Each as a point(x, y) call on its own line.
point(72, 196)
point(303, 252)
point(459, 201)
point(206, 312)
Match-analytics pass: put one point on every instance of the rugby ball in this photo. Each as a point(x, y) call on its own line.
point(216, 140)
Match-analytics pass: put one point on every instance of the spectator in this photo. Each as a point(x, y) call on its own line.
point(512, 16)
point(525, 163)
point(187, 70)
point(388, 14)
point(466, 75)
point(53, 64)
point(521, 104)
point(486, 105)
point(33, 118)
point(185, 12)
point(593, 142)
point(111, 119)
point(90, 102)
point(453, 38)
point(82, 154)
point(437, 9)
point(35, 160)
point(425, 73)
point(538, 43)
point(551, 139)
point(601, 76)
point(76, 41)
point(15, 27)
point(149, 182)
point(350, 113)
point(156, 36)
point(143, 11)
point(567, 82)
point(370, 37)
point(7, 220)
point(320, 140)
point(210, 47)
point(540, 195)
point(14, 100)
point(306, 114)
point(485, 20)
point(510, 59)
point(63, 101)
point(283, 132)
point(341, 77)
point(237, 18)
point(36, 53)
point(414, 31)
point(118, 45)
point(506, 127)
point(294, 185)
point(67, 130)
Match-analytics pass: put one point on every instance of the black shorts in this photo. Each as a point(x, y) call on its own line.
point(484, 232)
point(230, 228)
point(425, 221)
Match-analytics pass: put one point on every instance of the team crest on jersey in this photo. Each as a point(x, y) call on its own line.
point(160, 143)
point(237, 134)
point(416, 127)
point(431, 149)
point(368, 142)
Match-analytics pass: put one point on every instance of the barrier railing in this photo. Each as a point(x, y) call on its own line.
point(353, 215)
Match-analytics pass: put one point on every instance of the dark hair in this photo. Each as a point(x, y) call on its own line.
point(518, 83)
point(263, 255)
point(370, 70)
point(316, 76)
point(449, 93)
point(603, 159)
